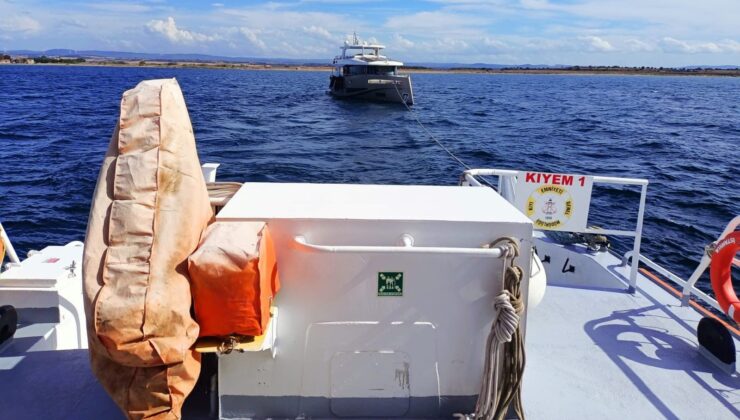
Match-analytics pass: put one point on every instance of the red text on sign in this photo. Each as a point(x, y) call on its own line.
point(554, 179)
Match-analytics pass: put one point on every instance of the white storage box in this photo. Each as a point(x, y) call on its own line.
point(366, 330)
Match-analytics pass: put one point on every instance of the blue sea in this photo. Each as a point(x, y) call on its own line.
point(681, 133)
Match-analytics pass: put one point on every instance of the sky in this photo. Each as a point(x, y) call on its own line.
point(656, 33)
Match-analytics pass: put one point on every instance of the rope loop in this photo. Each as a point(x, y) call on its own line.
point(510, 247)
point(507, 318)
point(227, 346)
point(504, 355)
point(512, 279)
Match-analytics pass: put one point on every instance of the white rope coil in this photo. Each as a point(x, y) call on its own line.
point(222, 189)
point(504, 355)
point(506, 318)
point(502, 331)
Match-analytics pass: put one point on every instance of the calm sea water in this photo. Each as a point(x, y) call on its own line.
point(682, 133)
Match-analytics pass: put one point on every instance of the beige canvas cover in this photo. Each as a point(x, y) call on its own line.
point(149, 209)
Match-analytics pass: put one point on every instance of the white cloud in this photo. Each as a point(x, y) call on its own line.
point(402, 42)
point(19, 23)
point(636, 45)
point(451, 46)
point(730, 45)
point(169, 29)
point(494, 44)
point(675, 45)
point(253, 37)
point(319, 32)
point(595, 43)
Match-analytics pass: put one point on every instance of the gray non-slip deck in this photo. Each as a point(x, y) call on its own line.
point(599, 352)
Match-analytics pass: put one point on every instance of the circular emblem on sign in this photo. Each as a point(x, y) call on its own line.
point(550, 206)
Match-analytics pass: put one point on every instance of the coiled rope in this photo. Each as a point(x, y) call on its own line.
point(501, 385)
point(222, 190)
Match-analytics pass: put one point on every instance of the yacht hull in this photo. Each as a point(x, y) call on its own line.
point(373, 87)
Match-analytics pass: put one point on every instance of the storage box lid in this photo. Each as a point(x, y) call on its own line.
point(265, 201)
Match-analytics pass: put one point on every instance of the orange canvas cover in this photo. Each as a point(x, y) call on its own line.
point(234, 279)
point(149, 210)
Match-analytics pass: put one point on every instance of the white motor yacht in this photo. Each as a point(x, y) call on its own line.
point(362, 72)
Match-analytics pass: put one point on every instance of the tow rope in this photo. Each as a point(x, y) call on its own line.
point(501, 385)
point(434, 139)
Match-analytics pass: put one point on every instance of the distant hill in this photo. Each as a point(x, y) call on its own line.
point(726, 67)
point(124, 55)
point(494, 66)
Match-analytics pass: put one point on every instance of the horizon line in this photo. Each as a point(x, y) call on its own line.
point(134, 53)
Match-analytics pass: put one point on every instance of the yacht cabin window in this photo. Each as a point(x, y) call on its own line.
point(377, 70)
point(354, 70)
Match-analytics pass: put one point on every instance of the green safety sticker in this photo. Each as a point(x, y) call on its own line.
point(390, 284)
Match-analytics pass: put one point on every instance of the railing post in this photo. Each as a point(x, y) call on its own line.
point(703, 264)
point(506, 187)
point(209, 171)
point(638, 239)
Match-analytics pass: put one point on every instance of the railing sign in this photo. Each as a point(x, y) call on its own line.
point(554, 201)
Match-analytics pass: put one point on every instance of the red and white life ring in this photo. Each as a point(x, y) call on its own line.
point(721, 274)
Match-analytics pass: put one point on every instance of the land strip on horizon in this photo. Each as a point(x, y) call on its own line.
point(586, 70)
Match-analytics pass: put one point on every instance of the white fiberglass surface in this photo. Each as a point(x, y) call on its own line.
point(369, 202)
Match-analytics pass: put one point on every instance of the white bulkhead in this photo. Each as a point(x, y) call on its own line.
point(386, 299)
point(46, 291)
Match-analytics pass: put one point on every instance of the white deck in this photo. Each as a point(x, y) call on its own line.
point(595, 351)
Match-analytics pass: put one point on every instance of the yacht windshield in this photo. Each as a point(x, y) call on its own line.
point(374, 70)
point(382, 70)
point(354, 70)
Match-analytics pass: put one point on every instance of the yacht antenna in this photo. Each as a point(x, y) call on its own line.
point(354, 38)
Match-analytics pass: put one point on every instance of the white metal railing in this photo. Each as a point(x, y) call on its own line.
point(406, 246)
point(689, 286)
point(506, 186)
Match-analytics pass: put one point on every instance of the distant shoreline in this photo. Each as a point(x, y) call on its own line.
point(575, 70)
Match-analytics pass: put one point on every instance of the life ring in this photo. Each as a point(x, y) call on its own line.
point(721, 274)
